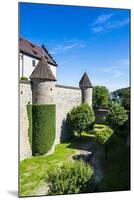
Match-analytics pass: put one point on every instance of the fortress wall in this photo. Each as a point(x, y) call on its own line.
point(25, 97)
point(66, 99)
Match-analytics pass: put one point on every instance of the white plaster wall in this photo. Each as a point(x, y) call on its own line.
point(28, 68)
point(25, 97)
point(27, 63)
point(66, 99)
point(20, 65)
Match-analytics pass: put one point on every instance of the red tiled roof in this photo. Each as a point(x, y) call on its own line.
point(42, 71)
point(35, 51)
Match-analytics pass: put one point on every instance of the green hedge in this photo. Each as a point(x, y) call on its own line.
point(29, 113)
point(43, 120)
point(23, 78)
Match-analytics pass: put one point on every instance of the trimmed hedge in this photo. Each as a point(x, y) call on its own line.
point(29, 113)
point(103, 135)
point(43, 120)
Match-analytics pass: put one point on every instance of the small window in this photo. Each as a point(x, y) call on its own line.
point(33, 63)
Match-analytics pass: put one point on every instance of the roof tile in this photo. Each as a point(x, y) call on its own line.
point(31, 49)
point(42, 71)
point(85, 82)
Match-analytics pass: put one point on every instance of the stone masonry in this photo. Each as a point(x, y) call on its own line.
point(44, 91)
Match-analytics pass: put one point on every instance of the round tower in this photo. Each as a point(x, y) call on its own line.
point(43, 109)
point(43, 84)
point(86, 89)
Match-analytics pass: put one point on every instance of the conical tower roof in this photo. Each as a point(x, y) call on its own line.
point(42, 71)
point(85, 82)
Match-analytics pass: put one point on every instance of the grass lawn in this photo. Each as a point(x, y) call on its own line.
point(33, 170)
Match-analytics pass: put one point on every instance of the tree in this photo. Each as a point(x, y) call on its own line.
point(102, 136)
point(117, 116)
point(80, 118)
point(122, 96)
point(101, 97)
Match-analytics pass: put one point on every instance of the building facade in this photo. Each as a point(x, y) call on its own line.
point(30, 55)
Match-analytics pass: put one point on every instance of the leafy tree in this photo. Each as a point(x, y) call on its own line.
point(102, 136)
point(101, 97)
point(117, 116)
point(122, 96)
point(72, 177)
point(80, 118)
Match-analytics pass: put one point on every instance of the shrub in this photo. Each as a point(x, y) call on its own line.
point(23, 78)
point(43, 120)
point(72, 177)
point(103, 135)
point(29, 113)
point(80, 118)
point(117, 116)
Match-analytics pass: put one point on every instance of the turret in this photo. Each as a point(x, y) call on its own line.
point(43, 84)
point(86, 89)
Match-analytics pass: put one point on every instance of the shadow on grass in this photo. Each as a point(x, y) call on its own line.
point(84, 143)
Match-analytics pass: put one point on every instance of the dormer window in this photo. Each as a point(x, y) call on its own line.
point(33, 63)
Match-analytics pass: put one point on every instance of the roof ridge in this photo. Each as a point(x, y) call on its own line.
point(39, 48)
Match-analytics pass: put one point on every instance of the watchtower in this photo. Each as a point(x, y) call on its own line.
point(86, 89)
point(43, 84)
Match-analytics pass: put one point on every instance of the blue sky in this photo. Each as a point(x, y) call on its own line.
point(95, 40)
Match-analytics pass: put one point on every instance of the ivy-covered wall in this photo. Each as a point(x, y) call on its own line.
point(43, 128)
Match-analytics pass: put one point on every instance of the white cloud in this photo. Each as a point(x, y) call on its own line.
point(102, 19)
point(107, 23)
point(117, 74)
point(113, 71)
point(97, 29)
point(117, 24)
point(124, 62)
point(65, 47)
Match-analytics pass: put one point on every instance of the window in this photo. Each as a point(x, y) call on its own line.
point(33, 63)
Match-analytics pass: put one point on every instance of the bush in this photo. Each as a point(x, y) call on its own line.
point(29, 113)
point(72, 177)
point(23, 78)
point(80, 118)
point(117, 116)
point(103, 135)
point(43, 120)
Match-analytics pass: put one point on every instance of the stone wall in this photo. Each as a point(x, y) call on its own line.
point(65, 98)
point(100, 114)
point(25, 97)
